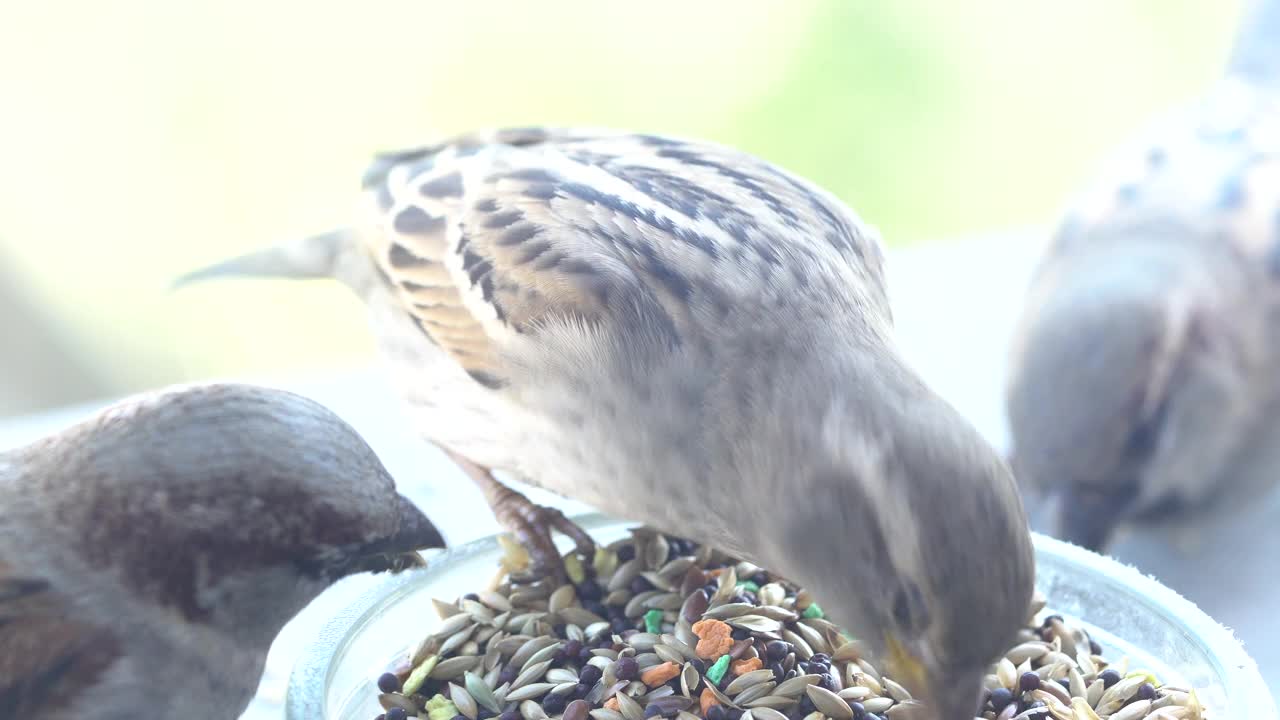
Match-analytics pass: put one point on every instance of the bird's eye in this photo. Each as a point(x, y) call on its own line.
point(909, 611)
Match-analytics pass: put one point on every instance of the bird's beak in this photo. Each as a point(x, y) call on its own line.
point(947, 694)
point(399, 552)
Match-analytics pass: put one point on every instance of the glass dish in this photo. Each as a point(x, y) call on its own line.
point(1129, 613)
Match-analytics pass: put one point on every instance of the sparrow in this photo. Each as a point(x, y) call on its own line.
point(684, 335)
point(1142, 375)
point(150, 554)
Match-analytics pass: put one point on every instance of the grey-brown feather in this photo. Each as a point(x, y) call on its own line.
point(163, 543)
point(1144, 362)
point(684, 335)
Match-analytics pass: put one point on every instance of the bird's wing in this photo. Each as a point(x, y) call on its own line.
point(487, 236)
point(47, 654)
point(1212, 167)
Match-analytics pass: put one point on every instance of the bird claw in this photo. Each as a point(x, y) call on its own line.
point(533, 525)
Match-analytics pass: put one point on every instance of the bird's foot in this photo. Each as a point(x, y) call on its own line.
point(531, 524)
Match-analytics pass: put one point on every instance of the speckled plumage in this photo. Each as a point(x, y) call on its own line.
point(1142, 385)
point(149, 555)
point(681, 334)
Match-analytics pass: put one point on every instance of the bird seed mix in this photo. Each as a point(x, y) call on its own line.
point(654, 626)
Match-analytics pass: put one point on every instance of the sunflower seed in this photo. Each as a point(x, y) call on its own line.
point(546, 654)
point(629, 708)
point(606, 714)
point(561, 675)
point(454, 667)
point(812, 638)
point(911, 710)
point(742, 682)
point(520, 658)
point(656, 552)
point(857, 692)
point(876, 704)
point(563, 597)
point(896, 691)
point(457, 639)
point(796, 685)
point(802, 649)
point(829, 703)
point(396, 700)
point(529, 691)
point(463, 701)
point(531, 710)
point(533, 671)
point(776, 702)
point(669, 654)
point(689, 679)
point(622, 577)
point(482, 693)
point(766, 713)
point(453, 624)
point(755, 692)
point(730, 610)
point(771, 594)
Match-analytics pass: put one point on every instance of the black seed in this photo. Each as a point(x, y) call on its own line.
point(1029, 681)
point(827, 682)
point(806, 705)
point(626, 669)
point(1094, 647)
point(582, 689)
point(1000, 697)
point(589, 590)
point(859, 711)
point(508, 674)
point(570, 649)
point(472, 597)
point(1064, 682)
point(775, 650)
point(388, 683)
point(778, 673)
point(1146, 691)
point(1109, 678)
point(652, 710)
point(589, 674)
point(585, 655)
point(717, 712)
point(626, 553)
point(1050, 620)
point(484, 714)
point(821, 659)
point(509, 715)
point(619, 624)
point(760, 579)
point(397, 714)
point(698, 665)
point(736, 713)
point(740, 634)
point(639, 585)
point(554, 704)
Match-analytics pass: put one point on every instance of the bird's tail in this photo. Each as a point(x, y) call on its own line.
point(318, 256)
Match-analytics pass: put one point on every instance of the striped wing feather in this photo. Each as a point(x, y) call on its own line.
point(487, 235)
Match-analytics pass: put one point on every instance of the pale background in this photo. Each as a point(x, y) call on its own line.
point(139, 139)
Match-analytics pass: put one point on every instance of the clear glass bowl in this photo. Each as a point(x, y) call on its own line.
point(1129, 613)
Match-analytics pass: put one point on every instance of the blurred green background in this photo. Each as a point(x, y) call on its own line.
point(141, 138)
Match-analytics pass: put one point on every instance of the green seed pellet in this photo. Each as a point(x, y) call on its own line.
point(813, 612)
point(716, 672)
point(653, 621)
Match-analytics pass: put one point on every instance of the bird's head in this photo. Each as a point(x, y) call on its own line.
point(228, 506)
point(1127, 390)
point(909, 529)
